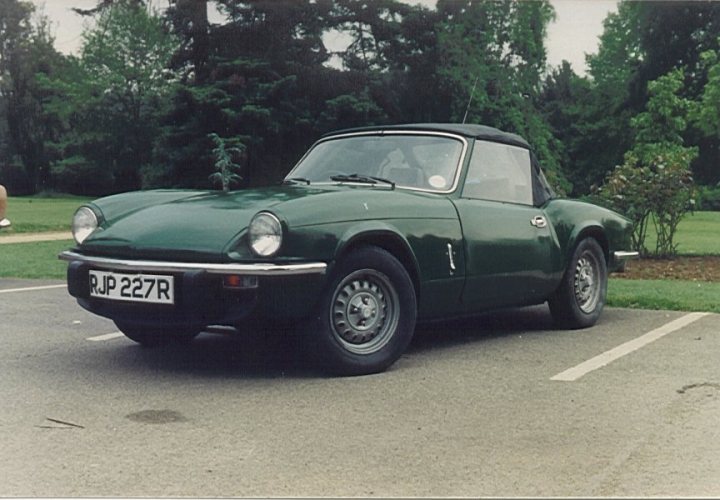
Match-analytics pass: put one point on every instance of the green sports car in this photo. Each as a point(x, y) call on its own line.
point(373, 230)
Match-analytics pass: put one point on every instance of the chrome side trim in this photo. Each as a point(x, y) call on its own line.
point(624, 255)
point(260, 269)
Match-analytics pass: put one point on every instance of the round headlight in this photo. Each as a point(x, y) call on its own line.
point(83, 224)
point(265, 234)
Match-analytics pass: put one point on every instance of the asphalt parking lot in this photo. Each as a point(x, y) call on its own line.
point(500, 405)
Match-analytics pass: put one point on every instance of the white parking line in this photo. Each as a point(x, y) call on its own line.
point(107, 336)
point(32, 288)
point(608, 357)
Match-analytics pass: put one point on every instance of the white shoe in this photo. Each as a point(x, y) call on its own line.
point(5, 223)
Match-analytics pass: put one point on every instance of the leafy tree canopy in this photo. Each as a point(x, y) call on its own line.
point(108, 99)
point(139, 106)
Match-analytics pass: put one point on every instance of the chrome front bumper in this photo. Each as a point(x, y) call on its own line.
point(624, 255)
point(259, 269)
point(619, 259)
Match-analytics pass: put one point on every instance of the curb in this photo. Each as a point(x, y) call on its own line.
point(36, 237)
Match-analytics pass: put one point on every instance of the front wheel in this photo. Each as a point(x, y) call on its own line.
point(151, 336)
point(366, 316)
point(580, 298)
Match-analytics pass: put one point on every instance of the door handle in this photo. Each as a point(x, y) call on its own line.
point(451, 258)
point(538, 221)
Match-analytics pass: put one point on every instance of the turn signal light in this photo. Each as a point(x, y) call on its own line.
point(240, 282)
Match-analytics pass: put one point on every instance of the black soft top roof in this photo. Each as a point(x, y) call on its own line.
point(468, 130)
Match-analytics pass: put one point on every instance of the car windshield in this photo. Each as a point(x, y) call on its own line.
point(428, 162)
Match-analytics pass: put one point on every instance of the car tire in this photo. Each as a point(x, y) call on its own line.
point(152, 336)
point(580, 299)
point(366, 316)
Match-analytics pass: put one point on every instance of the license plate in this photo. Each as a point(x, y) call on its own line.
point(148, 288)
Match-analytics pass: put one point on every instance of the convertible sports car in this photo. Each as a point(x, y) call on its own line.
point(373, 230)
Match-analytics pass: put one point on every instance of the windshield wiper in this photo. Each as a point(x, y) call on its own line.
point(292, 180)
point(368, 179)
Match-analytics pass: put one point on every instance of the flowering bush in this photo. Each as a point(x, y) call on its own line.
point(655, 183)
point(659, 192)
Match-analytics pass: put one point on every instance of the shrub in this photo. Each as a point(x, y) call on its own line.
point(77, 175)
point(659, 192)
point(708, 198)
point(226, 168)
point(15, 178)
point(654, 183)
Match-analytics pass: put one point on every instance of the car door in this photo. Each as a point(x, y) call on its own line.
point(511, 252)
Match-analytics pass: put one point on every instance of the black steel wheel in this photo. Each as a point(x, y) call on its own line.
point(581, 296)
point(366, 316)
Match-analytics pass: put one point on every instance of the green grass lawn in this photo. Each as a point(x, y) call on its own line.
point(30, 214)
point(698, 234)
point(664, 294)
point(33, 260)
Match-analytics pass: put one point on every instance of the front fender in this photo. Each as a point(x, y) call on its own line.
point(384, 235)
point(574, 220)
point(587, 229)
point(367, 229)
point(431, 251)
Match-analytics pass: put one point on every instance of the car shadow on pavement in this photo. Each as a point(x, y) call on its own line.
point(266, 353)
point(260, 354)
point(451, 333)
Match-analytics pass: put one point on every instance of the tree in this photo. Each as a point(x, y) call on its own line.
point(659, 147)
point(224, 162)
point(612, 96)
point(706, 116)
point(109, 97)
point(260, 89)
point(414, 61)
point(103, 5)
point(682, 34)
point(189, 19)
point(566, 101)
point(655, 182)
point(706, 119)
point(661, 125)
point(26, 50)
point(245, 99)
point(675, 34)
point(374, 27)
point(642, 42)
point(496, 48)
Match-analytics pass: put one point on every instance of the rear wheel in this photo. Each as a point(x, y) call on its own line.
point(580, 298)
point(153, 336)
point(366, 316)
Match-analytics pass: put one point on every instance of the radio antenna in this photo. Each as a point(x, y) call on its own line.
point(472, 93)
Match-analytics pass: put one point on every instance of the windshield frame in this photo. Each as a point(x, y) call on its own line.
point(380, 132)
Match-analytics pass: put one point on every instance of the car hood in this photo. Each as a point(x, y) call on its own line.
point(201, 225)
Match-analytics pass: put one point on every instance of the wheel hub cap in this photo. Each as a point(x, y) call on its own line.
point(358, 311)
point(364, 311)
point(587, 289)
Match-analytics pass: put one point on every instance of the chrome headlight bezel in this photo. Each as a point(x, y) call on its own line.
point(265, 234)
point(84, 223)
